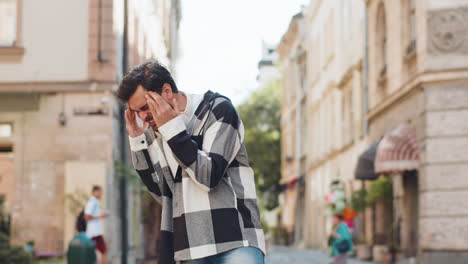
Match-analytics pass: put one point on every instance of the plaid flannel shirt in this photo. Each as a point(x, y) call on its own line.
point(200, 174)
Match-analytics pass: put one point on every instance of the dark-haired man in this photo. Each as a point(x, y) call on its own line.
point(93, 216)
point(192, 158)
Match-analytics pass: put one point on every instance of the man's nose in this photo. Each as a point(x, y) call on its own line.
point(143, 115)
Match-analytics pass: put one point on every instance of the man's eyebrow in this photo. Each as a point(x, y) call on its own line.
point(142, 108)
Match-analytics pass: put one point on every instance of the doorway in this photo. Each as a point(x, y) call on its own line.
point(410, 214)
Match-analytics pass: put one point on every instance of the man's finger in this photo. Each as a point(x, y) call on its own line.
point(176, 106)
point(126, 115)
point(154, 96)
point(150, 98)
point(152, 106)
point(159, 99)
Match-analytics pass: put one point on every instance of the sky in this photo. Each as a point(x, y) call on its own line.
point(221, 42)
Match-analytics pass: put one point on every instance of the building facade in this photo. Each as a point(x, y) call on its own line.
point(59, 116)
point(389, 75)
point(322, 73)
point(418, 79)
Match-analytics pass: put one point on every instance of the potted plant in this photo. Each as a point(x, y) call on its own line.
point(363, 249)
point(358, 203)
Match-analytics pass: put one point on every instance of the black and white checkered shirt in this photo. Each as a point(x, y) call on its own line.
point(199, 171)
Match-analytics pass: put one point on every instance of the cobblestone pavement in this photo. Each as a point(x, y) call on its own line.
point(288, 255)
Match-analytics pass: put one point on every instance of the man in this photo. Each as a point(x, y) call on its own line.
point(93, 215)
point(81, 249)
point(192, 158)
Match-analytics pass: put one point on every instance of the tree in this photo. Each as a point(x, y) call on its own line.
point(260, 114)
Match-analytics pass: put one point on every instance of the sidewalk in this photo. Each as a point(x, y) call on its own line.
point(282, 255)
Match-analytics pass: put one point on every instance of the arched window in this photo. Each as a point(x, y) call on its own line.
point(409, 25)
point(381, 40)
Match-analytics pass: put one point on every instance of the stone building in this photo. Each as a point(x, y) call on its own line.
point(321, 58)
point(289, 131)
point(60, 63)
point(389, 75)
point(418, 101)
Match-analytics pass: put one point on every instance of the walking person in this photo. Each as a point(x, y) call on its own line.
point(192, 158)
point(93, 216)
point(341, 240)
point(81, 249)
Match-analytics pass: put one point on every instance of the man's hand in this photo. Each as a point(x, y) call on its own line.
point(160, 109)
point(133, 129)
point(104, 215)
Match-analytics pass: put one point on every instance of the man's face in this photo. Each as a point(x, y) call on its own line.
point(97, 193)
point(137, 103)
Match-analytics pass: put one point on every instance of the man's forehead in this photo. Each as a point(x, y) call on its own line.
point(137, 100)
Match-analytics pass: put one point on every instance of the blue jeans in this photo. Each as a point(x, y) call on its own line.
point(243, 255)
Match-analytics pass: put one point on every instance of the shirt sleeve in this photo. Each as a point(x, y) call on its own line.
point(206, 164)
point(89, 208)
point(144, 165)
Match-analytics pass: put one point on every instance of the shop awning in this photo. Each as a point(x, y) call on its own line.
point(365, 166)
point(398, 150)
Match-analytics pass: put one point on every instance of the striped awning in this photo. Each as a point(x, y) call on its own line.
point(398, 150)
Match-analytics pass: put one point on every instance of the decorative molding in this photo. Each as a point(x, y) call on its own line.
point(28, 87)
point(448, 31)
point(428, 78)
point(11, 51)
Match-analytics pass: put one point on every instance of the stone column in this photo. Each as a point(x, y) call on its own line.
point(443, 179)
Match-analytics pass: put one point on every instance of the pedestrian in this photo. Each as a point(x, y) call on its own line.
point(340, 240)
point(81, 249)
point(192, 158)
point(93, 216)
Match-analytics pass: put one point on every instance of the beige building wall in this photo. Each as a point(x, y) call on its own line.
point(427, 87)
point(289, 144)
point(80, 177)
point(334, 105)
point(55, 43)
point(321, 61)
point(41, 148)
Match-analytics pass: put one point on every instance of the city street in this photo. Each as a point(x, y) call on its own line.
point(281, 255)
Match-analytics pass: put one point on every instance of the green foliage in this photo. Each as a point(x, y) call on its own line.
point(123, 170)
point(76, 201)
point(380, 189)
point(11, 254)
point(260, 114)
point(358, 200)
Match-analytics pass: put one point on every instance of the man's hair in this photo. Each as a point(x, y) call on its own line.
point(81, 222)
point(152, 75)
point(96, 188)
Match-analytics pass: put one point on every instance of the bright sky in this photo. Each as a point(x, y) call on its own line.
point(221, 42)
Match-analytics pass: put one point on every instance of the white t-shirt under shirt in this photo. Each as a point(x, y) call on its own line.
point(94, 226)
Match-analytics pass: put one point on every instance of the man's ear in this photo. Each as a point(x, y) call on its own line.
point(166, 92)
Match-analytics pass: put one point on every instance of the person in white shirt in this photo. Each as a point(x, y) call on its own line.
point(93, 217)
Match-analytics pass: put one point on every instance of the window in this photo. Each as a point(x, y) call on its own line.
point(409, 25)
point(8, 19)
point(329, 39)
point(348, 114)
point(5, 130)
point(381, 39)
point(412, 20)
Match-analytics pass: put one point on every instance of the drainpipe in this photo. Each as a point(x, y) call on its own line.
point(123, 147)
point(365, 72)
point(100, 58)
